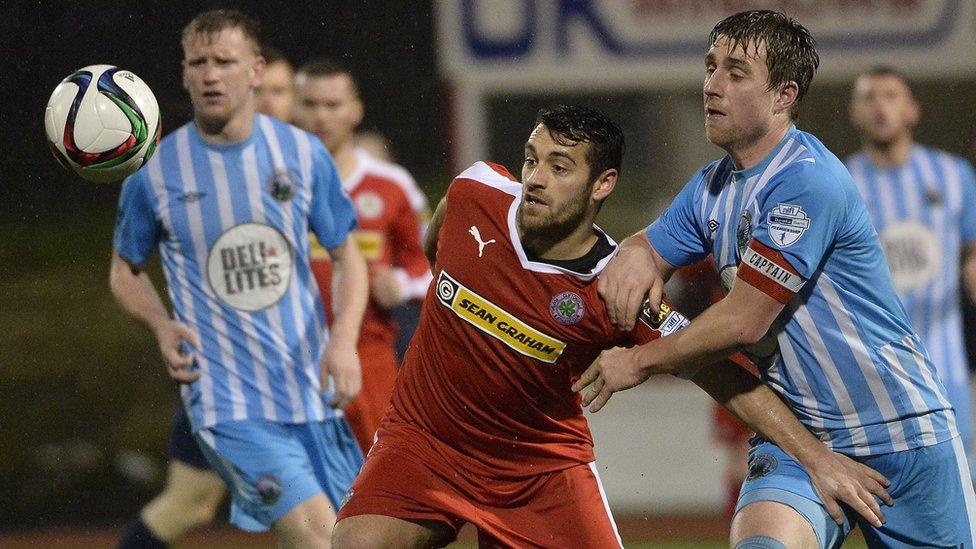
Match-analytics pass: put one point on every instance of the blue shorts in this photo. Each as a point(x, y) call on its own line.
point(182, 444)
point(271, 468)
point(934, 504)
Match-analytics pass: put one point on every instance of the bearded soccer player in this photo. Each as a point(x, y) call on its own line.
point(809, 296)
point(483, 426)
point(388, 205)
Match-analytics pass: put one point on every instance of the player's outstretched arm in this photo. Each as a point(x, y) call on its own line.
point(738, 320)
point(433, 232)
point(837, 478)
point(136, 293)
point(351, 290)
point(637, 272)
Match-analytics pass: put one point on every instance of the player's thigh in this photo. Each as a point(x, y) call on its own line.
point(265, 466)
point(778, 500)
point(194, 487)
point(769, 519)
point(934, 503)
point(308, 524)
point(567, 509)
point(377, 531)
point(406, 483)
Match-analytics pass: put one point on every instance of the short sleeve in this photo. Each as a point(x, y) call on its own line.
point(136, 227)
point(677, 234)
point(799, 219)
point(967, 214)
point(332, 214)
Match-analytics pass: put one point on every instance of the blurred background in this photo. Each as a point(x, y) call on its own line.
point(85, 404)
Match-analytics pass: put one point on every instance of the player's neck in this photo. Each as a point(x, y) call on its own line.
point(890, 155)
point(754, 152)
point(345, 159)
point(553, 244)
point(235, 130)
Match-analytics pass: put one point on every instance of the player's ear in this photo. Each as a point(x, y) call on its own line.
point(604, 184)
point(257, 71)
point(787, 97)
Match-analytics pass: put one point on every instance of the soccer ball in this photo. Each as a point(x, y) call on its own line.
point(102, 123)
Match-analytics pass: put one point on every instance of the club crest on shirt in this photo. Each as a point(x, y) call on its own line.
point(744, 233)
point(268, 488)
point(369, 205)
point(761, 465)
point(249, 266)
point(567, 308)
point(787, 223)
point(281, 185)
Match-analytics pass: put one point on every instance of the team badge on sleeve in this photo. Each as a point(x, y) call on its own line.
point(787, 223)
point(667, 320)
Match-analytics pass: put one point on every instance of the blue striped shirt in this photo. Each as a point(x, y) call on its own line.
point(232, 223)
point(925, 212)
point(842, 353)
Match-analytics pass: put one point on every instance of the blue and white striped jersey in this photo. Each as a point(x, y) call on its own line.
point(925, 213)
point(843, 353)
point(232, 227)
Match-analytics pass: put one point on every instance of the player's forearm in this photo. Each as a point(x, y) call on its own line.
point(136, 293)
point(752, 401)
point(351, 290)
point(715, 334)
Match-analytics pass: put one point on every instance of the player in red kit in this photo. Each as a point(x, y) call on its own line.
point(483, 426)
point(388, 207)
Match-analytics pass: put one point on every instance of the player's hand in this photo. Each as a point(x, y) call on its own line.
point(839, 479)
point(342, 363)
point(386, 288)
point(614, 370)
point(630, 277)
point(170, 335)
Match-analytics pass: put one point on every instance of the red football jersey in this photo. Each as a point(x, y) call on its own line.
point(389, 207)
point(501, 340)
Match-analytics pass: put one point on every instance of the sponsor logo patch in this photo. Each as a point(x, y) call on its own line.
point(370, 244)
point(249, 266)
point(787, 223)
point(496, 322)
point(914, 254)
point(567, 308)
point(667, 321)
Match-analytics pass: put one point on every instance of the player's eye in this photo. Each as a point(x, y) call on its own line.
point(559, 168)
point(529, 161)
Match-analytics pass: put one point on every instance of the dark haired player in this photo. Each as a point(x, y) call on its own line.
point(484, 427)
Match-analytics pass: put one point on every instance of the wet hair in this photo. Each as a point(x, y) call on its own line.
point(214, 21)
point(325, 67)
point(570, 124)
point(791, 54)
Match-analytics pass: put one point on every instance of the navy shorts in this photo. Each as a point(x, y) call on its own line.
point(182, 444)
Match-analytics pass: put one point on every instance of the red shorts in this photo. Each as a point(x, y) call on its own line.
point(405, 477)
point(365, 412)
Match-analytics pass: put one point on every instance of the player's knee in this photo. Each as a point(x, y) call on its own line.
point(760, 542)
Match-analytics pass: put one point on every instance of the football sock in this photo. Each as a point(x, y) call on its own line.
point(139, 536)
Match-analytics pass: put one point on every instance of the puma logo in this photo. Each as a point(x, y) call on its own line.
point(477, 236)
